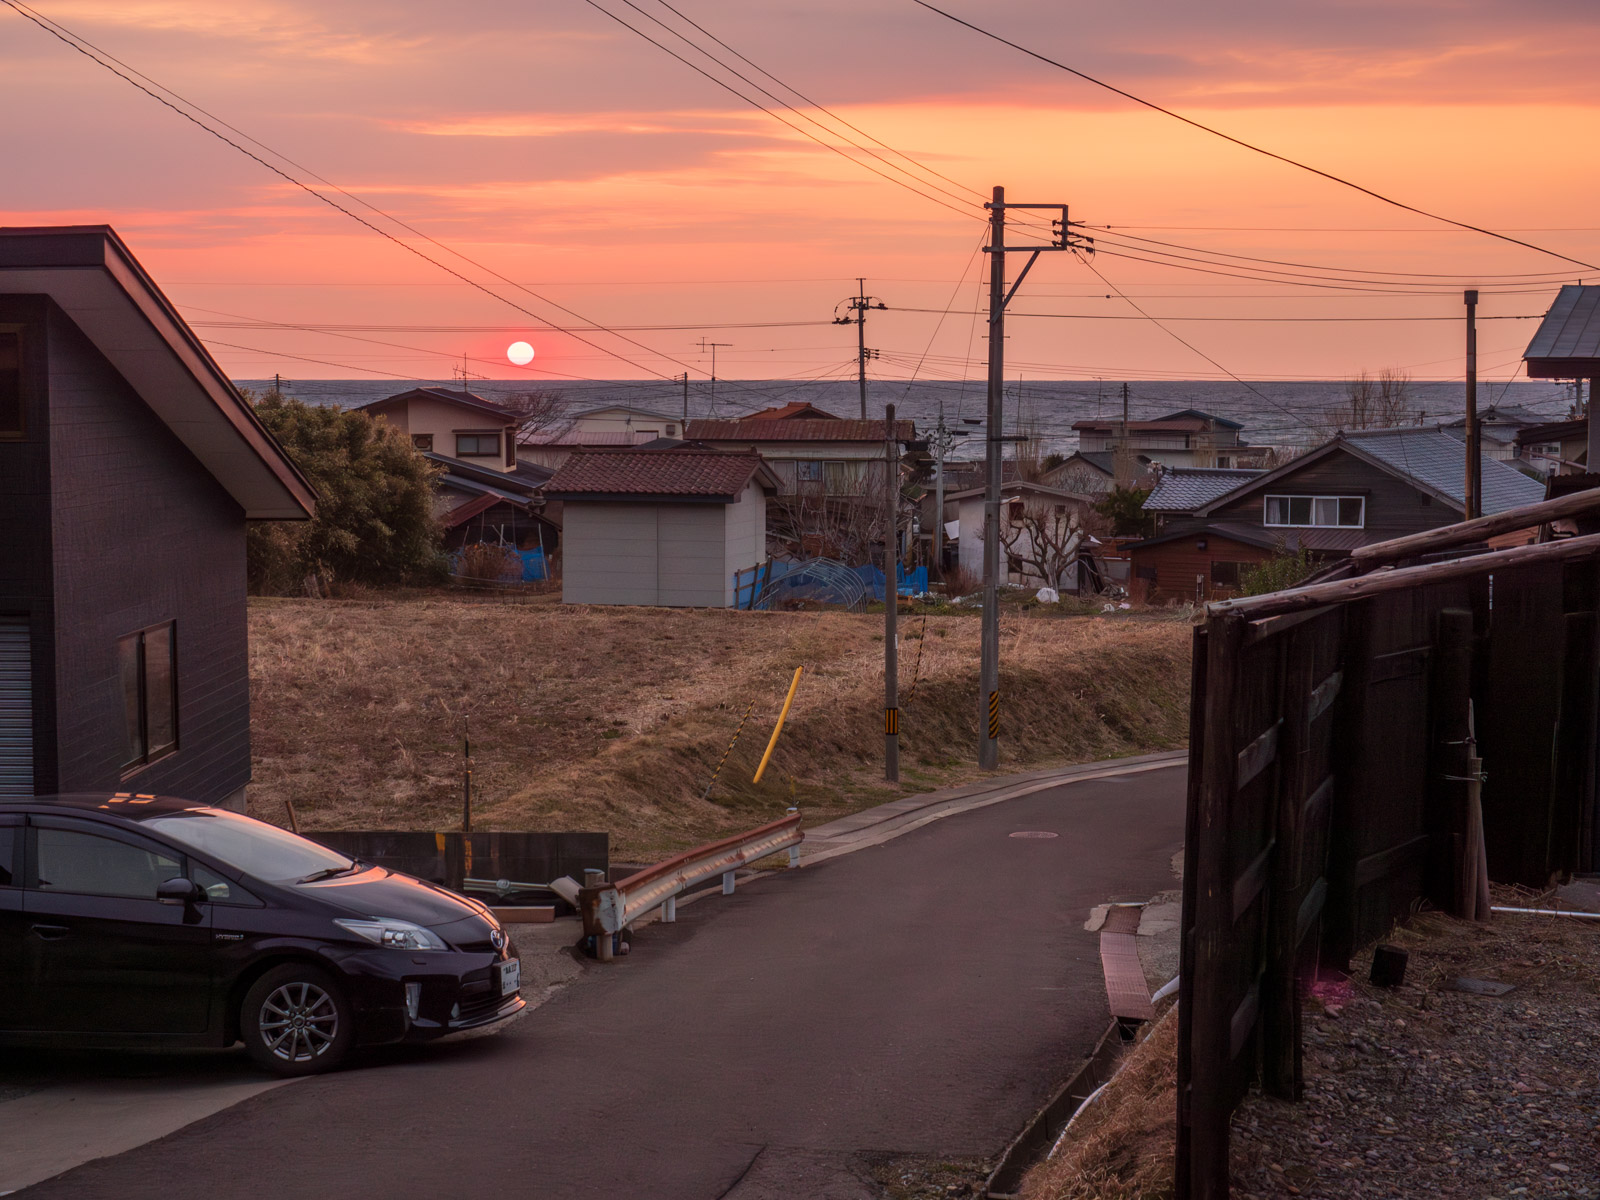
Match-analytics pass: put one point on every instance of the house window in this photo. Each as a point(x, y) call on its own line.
point(10, 383)
point(147, 664)
point(1226, 574)
point(511, 451)
point(808, 471)
point(422, 441)
point(841, 478)
point(1317, 512)
point(477, 445)
point(672, 431)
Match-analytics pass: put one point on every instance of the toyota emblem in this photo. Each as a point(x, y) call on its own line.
point(497, 940)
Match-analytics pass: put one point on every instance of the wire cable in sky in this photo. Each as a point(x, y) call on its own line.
point(1227, 137)
point(83, 47)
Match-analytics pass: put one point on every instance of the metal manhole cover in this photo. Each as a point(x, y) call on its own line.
point(1034, 833)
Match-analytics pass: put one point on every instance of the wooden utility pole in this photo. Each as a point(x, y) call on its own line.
point(1122, 461)
point(989, 650)
point(999, 297)
point(686, 404)
point(1474, 481)
point(859, 304)
point(891, 600)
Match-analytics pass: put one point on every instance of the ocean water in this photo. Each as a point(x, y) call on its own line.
point(1273, 413)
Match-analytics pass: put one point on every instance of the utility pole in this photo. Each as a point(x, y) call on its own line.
point(712, 346)
point(939, 438)
point(891, 599)
point(858, 304)
point(999, 297)
point(1474, 488)
point(1122, 465)
point(686, 403)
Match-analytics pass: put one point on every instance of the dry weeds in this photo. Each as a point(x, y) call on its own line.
point(1121, 1146)
point(615, 718)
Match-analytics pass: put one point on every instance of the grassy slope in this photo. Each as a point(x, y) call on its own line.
point(613, 719)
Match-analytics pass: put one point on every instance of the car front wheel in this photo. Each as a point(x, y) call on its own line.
point(296, 1021)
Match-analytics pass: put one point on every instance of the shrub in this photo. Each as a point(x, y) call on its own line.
point(1282, 570)
point(482, 560)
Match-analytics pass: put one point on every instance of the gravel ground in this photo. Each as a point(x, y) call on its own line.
point(1426, 1090)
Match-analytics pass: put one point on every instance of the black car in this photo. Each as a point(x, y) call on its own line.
point(133, 920)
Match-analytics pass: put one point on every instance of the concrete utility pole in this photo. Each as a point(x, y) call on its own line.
point(712, 346)
point(891, 599)
point(1474, 481)
point(999, 297)
point(859, 304)
point(686, 403)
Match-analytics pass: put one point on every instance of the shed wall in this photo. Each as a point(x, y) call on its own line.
point(624, 553)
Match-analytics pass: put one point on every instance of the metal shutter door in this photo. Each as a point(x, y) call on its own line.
point(16, 708)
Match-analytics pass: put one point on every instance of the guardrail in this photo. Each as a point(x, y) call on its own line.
point(609, 908)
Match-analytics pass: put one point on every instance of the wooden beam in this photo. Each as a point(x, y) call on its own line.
point(1400, 579)
point(1465, 533)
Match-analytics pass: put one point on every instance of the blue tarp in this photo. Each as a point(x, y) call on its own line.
point(907, 583)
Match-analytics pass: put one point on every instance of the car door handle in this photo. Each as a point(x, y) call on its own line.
point(50, 933)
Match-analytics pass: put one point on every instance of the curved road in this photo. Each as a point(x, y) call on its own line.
point(921, 997)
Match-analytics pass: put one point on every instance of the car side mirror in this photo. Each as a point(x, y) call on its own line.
point(178, 891)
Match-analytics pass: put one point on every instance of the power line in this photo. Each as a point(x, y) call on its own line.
point(728, 87)
point(64, 35)
point(1421, 212)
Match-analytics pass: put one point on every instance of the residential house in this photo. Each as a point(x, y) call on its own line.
point(1088, 473)
point(1186, 438)
point(486, 493)
point(1016, 499)
point(129, 466)
point(1356, 489)
point(830, 477)
point(1182, 491)
point(661, 527)
point(1499, 427)
point(1567, 346)
point(621, 418)
point(1554, 448)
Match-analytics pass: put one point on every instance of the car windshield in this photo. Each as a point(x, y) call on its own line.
point(254, 847)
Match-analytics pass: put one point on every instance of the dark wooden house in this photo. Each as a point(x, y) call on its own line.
point(1355, 490)
point(129, 465)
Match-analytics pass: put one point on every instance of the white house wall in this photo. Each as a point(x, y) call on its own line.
point(690, 571)
point(650, 554)
point(746, 535)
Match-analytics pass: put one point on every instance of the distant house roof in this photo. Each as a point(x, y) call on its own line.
point(1187, 420)
point(1567, 342)
point(525, 477)
point(89, 273)
point(666, 475)
point(1430, 459)
point(1185, 489)
point(1015, 487)
point(1500, 415)
point(578, 438)
point(1554, 431)
point(793, 411)
point(769, 429)
point(465, 400)
point(623, 408)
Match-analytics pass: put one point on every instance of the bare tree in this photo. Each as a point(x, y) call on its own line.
point(1079, 477)
point(1041, 539)
point(1382, 403)
point(542, 412)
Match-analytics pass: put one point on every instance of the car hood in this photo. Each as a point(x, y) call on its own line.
point(377, 892)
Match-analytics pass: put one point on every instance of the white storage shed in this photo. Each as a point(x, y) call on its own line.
point(663, 527)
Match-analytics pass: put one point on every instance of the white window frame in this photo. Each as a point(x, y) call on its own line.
point(1266, 510)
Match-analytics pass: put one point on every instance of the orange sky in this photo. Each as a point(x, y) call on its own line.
point(553, 146)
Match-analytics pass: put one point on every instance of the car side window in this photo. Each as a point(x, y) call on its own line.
point(66, 860)
point(9, 844)
point(219, 890)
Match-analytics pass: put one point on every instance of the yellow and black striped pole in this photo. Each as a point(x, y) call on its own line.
point(994, 715)
point(729, 750)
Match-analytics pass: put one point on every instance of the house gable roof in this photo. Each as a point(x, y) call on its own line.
point(792, 411)
point(1015, 487)
point(624, 409)
point(1567, 343)
point(654, 475)
point(768, 429)
point(89, 274)
point(1186, 489)
point(1430, 460)
point(462, 400)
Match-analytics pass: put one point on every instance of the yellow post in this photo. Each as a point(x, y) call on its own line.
point(778, 728)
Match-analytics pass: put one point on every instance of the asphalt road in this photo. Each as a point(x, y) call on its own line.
point(920, 997)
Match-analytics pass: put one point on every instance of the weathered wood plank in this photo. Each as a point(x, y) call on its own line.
point(1323, 695)
point(1243, 1021)
point(1465, 533)
point(1249, 884)
point(1257, 756)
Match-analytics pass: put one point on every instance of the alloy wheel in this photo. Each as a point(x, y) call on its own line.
point(299, 1021)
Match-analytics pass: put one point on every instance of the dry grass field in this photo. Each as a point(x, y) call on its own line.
point(615, 718)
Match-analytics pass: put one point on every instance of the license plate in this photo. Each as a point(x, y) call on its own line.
point(510, 976)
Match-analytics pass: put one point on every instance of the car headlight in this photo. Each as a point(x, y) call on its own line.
point(397, 935)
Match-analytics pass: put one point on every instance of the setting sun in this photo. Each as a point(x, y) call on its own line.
point(520, 353)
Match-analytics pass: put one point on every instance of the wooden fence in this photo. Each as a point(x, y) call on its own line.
point(1327, 791)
